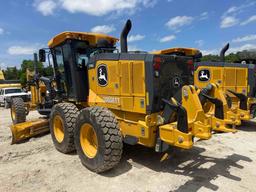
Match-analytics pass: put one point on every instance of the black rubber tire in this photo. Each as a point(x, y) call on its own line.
point(6, 105)
point(253, 111)
point(18, 105)
point(110, 145)
point(68, 112)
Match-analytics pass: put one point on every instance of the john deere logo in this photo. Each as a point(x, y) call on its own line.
point(204, 75)
point(102, 75)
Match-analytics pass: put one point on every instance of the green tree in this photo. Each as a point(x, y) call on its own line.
point(29, 64)
point(11, 73)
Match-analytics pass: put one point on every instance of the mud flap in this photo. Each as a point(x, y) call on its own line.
point(29, 129)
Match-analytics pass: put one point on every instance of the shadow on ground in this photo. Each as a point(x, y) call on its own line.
point(249, 126)
point(201, 169)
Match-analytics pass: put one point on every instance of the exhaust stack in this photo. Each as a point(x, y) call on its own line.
point(123, 37)
point(35, 63)
point(223, 51)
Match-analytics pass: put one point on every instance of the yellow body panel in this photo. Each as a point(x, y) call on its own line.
point(233, 78)
point(122, 92)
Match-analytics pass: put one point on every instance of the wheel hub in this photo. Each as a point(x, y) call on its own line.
point(58, 128)
point(88, 140)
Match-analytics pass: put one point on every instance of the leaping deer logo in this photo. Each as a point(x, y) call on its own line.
point(203, 76)
point(102, 75)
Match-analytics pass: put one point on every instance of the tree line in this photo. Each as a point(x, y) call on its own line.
point(13, 73)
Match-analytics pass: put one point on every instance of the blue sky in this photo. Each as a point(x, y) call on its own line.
point(27, 25)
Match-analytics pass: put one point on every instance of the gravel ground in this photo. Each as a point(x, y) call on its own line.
point(224, 163)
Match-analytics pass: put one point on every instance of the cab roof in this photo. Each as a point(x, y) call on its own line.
point(92, 38)
point(186, 51)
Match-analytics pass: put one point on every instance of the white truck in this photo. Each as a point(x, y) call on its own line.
point(6, 95)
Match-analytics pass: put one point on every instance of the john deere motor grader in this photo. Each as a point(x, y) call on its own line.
point(211, 97)
point(99, 98)
point(238, 81)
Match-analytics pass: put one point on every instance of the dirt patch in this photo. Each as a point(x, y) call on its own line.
point(224, 163)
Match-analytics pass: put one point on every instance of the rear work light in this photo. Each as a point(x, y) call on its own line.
point(157, 65)
point(190, 65)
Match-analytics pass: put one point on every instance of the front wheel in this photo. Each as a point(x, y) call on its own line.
point(62, 124)
point(98, 139)
point(18, 110)
point(6, 104)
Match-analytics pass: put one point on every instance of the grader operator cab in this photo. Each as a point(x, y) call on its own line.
point(99, 98)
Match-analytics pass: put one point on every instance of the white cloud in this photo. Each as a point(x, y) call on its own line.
point(228, 21)
point(249, 20)
point(133, 48)
point(242, 48)
point(235, 10)
point(203, 16)
point(1, 31)
point(179, 21)
point(245, 38)
point(199, 43)
point(229, 17)
point(137, 37)
point(23, 50)
point(46, 7)
point(230, 50)
point(3, 65)
point(232, 9)
point(210, 52)
point(93, 7)
point(167, 38)
point(103, 29)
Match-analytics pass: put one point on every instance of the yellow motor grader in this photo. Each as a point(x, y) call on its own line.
point(8, 83)
point(238, 81)
point(99, 98)
point(211, 97)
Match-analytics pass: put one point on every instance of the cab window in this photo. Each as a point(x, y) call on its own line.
point(59, 59)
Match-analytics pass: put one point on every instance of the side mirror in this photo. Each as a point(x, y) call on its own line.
point(42, 55)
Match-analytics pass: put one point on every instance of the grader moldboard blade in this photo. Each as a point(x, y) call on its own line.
point(22, 131)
